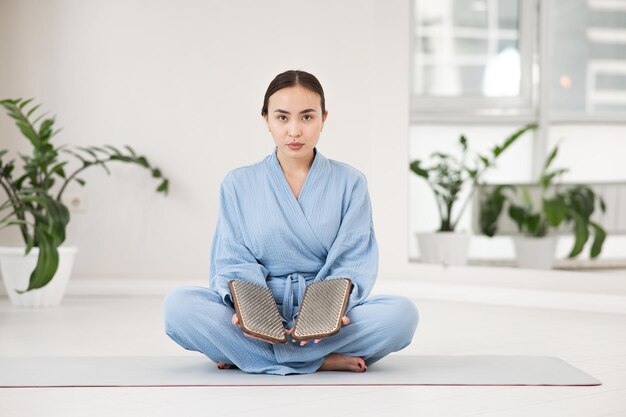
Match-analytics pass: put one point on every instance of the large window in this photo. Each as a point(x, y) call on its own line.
point(483, 68)
point(587, 58)
point(471, 55)
point(519, 60)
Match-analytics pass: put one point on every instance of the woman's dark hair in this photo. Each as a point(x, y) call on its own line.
point(292, 78)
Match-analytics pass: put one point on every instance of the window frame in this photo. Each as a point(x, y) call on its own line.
point(521, 108)
point(533, 104)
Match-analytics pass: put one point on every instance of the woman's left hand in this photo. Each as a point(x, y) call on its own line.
point(344, 321)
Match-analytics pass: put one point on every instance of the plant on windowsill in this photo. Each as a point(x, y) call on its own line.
point(447, 176)
point(35, 205)
point(538, 220)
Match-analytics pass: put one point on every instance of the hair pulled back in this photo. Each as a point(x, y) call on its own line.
point(292, 78)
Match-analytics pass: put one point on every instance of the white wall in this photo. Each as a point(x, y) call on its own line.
point(183, 83)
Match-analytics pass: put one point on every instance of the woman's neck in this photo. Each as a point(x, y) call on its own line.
point(291, 166)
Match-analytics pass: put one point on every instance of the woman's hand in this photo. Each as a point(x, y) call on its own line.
point(235, 321)
point(344, 321)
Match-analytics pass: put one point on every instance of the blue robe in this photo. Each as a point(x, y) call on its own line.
point(266, 236)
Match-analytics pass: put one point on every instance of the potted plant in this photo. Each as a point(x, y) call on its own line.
point(538, 218)
point(34, 204)
point(447, 177)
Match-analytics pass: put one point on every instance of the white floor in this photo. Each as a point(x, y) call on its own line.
point(132, 325)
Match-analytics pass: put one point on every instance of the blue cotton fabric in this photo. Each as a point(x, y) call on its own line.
point(267, 236)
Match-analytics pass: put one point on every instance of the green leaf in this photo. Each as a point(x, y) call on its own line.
point(164, 187)
point(25, 103)
point(100, 149)
point(113, 149)
point(518, 214)
point(45, 130)
point(143, 162)
point(490, 209)
point(8, 102)
point(511, 139)
point(416, 167)
point(41, 116)
point(463, 142)
point(132, 152)
point(58, 169)
point(546, 179)
point(555, 211)
point(550, 158)
point(29, 132)
point(31, 111)
point(599, 237)
point(581, 235)
point(80, 157)
point(534, 224)
point(89, 151)
point(47, 262)
point(56, 132)
point(121, 158)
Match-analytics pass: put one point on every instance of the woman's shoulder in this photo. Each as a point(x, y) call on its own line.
point(243, 175)
point(348, 172)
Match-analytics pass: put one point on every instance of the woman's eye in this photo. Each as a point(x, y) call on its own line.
point(309, 116)
point(280, 117)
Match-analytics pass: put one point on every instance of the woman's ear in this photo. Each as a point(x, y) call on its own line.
point(324, 119)
point(267, 123)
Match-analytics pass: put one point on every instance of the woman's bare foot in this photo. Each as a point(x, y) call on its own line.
point(339, 362)
point(222, 365)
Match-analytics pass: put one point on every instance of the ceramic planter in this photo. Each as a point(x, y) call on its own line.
point(535, 252)
point(447, 248)
point(16, 269)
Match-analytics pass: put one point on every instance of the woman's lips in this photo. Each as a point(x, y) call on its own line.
point(296, 145)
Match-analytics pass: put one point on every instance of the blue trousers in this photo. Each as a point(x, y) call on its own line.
point(197, 319)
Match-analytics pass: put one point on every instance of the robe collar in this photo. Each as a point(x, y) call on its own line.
point(320, 163)
point(295, 215)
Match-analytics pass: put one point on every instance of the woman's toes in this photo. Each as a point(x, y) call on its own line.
point(222, 365)
point(360, 365)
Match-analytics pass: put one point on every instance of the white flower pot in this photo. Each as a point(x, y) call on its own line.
point(535, 252)
point(446, 248)
point(17, 268)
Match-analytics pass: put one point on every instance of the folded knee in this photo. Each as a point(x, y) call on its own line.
point(409, 314)
point(403, 318)
point(176, 306)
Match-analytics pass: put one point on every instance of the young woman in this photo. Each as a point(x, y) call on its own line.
point(289, 220)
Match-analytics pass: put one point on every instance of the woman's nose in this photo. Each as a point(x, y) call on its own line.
point(294, 129)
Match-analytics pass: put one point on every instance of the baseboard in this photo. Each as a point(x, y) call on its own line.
point(506, 296)
point(470, 291)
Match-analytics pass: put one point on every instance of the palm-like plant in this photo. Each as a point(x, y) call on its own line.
point(572, 205)
point(34, 196)
point(448, 175)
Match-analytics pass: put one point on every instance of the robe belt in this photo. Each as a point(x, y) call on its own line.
point(300, 280)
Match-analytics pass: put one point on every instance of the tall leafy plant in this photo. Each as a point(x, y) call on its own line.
point(34, 196)
point(573, 205)
point(448, 175)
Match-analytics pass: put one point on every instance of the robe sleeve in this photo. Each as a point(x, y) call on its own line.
point(230, 258)
point(354, 252)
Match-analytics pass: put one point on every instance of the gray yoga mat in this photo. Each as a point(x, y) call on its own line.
point(122, 371)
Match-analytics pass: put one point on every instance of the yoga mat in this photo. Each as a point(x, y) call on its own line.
point(394, 370)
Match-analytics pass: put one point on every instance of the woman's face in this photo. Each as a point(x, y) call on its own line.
point(295, 118)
